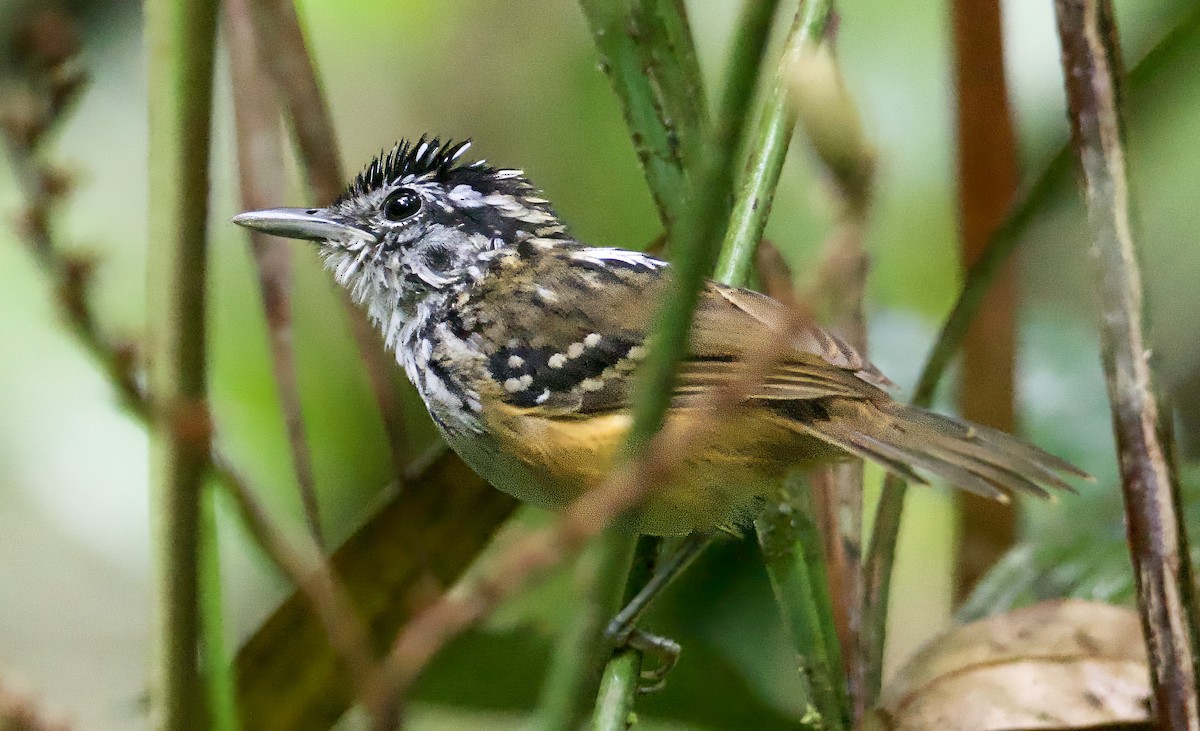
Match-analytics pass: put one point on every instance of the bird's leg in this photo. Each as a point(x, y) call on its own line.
point(665, 649)
point(621, 630)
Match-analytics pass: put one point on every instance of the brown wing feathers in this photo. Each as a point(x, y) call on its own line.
point(830, 392)
point(974, 458)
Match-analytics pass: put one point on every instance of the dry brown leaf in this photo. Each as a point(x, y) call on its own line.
point(1062, 664)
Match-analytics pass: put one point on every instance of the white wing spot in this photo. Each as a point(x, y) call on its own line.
point(515, 361)
point(598, 255)
point(558, 360)
point(574, 350)
point(592, 340)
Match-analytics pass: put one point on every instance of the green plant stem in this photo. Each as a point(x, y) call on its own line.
point(791, 548)
point(619, 680)
point(618, 688)
point(656, 139)
point(180, 39)
point(650, 57)
point(695, 243)
point(219, 679)
point(679, 35)
point(570, 677)
point(668, 54)
point(774, 124)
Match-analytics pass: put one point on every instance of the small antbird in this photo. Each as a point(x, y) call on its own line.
point(523, 343)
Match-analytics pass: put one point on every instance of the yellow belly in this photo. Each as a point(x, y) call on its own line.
point(550, 462)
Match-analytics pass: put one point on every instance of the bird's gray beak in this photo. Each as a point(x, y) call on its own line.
point(301, 223)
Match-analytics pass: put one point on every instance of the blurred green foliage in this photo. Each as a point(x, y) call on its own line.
point(521, 80)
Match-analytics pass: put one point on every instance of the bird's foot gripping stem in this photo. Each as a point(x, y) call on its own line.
point(663, 649)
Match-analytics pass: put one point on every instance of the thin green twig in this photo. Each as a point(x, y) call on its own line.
point(181, 37)
point(618, 688)
point(791, 545)
point(650, 57)
point(881, 553)
point(663, 38)
point(570, 678)
point(219, 680)
point(773, 127)
point(781, 529)
point(619, 681)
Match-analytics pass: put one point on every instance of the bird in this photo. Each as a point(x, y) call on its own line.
point(524, 343)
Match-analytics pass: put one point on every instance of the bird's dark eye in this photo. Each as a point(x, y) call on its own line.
point(401, 204)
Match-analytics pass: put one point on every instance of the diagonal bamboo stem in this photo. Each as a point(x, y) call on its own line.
point(656, 137)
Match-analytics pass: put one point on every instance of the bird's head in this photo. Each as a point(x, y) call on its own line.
point(414, 221)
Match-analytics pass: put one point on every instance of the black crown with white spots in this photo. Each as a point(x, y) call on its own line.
point(498, 202)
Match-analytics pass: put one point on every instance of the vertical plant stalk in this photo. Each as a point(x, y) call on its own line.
point(618, 689)
point(695, 243)
point(290, 65)
point(881, 551)
point(793, 555)
point(831, 122)
point(671, 86)
point(619, 680)
point(180, 38)
point(218, 668)
point(655, 137)
point(662, 35)
point(766, 151)
point(664, 103)
point(796, 591)
point(1157, 537)
point(260, 158)
point(987, 180)
point(577, 654)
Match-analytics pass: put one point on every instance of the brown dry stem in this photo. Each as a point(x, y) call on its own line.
point(987, 186)
point(285, 54)
point(260, 158)
point(830, 119)
point(1157, 537)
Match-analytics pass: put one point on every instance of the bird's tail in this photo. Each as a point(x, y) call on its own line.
point(900, 438)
